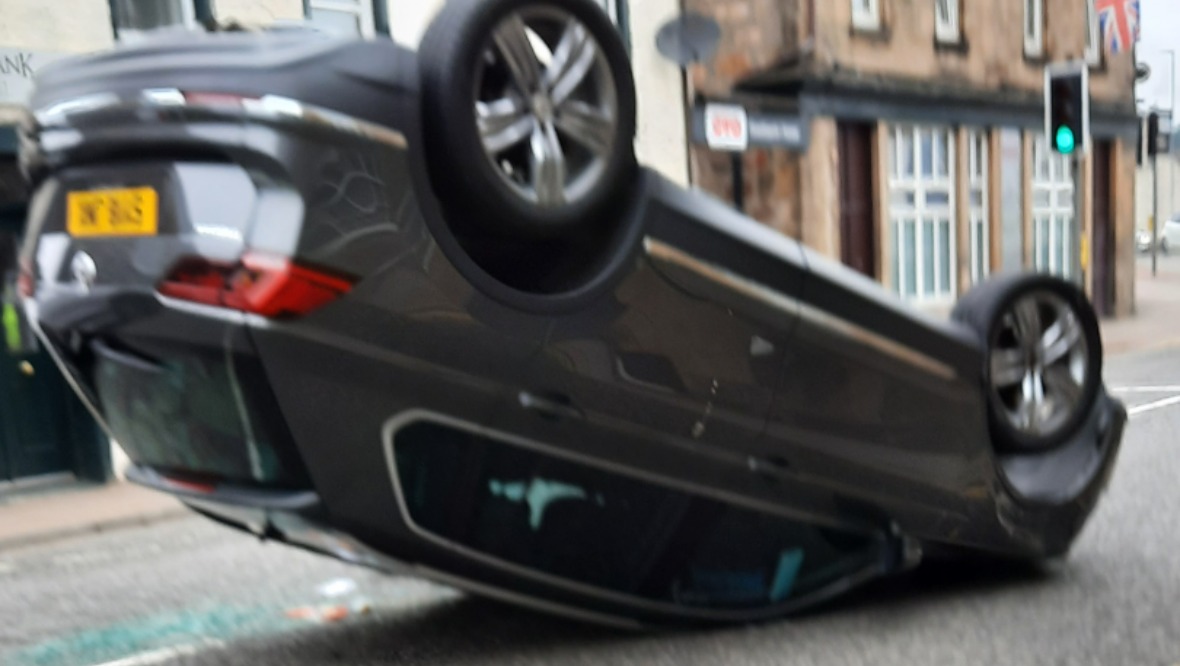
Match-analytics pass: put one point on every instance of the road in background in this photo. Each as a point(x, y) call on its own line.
point(190, 592)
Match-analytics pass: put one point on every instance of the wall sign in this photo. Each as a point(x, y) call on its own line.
point(732, 127)
point(726, 127)
point(18, 67)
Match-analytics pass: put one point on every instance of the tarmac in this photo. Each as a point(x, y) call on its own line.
point(73, 509)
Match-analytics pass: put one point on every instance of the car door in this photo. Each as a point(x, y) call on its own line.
point(684, 355)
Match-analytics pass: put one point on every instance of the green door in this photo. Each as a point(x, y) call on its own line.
point(41, 422)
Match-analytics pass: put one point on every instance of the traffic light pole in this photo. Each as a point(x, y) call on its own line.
point(1155, 213)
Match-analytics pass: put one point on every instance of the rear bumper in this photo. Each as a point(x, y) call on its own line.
point(297, 518)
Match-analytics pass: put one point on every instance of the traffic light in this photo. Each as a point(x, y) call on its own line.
point(1153, 134)
point(1067, 107)
point(1159, 133)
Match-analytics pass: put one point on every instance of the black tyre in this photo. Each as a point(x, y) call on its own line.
point(529, 115)
point(1043, 358)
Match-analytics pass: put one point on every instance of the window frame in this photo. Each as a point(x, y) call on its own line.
point(949, 31)
point(364, 10)
point(1093, 36)
point(924, 216)
point(1052, 223)
point(979, 216)
point(1034, 43)
point(192, 14)
point(866, 15)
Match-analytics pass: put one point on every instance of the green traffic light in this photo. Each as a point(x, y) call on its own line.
point(1065, 140)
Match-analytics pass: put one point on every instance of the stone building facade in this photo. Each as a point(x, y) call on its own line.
point(917, 151)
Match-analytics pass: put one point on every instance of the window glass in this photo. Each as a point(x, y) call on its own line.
point(922, 207)
point(134, 18)
point(978, 220)
point(866, 14)
point(946, 20)
point(336, 22)
point(520, 508)
point(1034, 13)
point(195, 412)
point(1053, 212)
point(1093, 43)
point(343, 18)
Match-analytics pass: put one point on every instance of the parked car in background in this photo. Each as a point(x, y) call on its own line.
point(1169, 236)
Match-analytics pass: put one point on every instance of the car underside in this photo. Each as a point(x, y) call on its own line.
point(317, 297)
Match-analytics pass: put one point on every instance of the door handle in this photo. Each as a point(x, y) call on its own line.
point(551, 406)
point(26, 369)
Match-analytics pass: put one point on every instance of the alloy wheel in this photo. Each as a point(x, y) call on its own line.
point(546, 106)
point(1039, 364)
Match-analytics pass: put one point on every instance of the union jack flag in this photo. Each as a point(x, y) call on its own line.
point(1119, 21)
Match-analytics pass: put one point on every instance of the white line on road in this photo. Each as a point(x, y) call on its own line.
point(1147, 389)
point(162, 655)
point(1152, 406)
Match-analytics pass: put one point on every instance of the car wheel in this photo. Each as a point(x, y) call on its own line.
point(1042, 358)
point(529, 115)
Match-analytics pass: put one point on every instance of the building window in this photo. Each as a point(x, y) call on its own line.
point(866, 14)
point(1093, 38)
point(1053, 214)
point(921, 212)
point(343, 18)
point(134, 19)
point(946, 21)
point(977, 210)
point(1034, 28)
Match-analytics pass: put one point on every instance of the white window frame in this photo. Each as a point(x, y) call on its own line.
point(1053, 221)
point(1093, 36)
point(979, 219)
point(910, 190)
point(866, 14)
point(133, 35)
point(1034, 41)
point(362, 9)
point(948, 27)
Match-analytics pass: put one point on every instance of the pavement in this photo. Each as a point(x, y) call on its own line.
point(1156, 322)
point(40, 517)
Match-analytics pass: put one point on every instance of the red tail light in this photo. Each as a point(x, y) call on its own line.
point(259, 284)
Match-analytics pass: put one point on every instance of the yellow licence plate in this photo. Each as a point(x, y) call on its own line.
point(133, 211)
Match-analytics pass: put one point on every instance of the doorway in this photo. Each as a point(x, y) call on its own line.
point(44, 429)
point(1102, 262)
point(858, 237)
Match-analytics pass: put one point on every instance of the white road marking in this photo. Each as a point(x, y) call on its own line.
point(1152, 406)
point(1147, 389)
point(162, 655)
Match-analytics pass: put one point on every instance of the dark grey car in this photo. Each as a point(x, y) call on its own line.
point(425, 308)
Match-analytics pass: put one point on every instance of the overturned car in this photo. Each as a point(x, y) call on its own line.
point(425, 310)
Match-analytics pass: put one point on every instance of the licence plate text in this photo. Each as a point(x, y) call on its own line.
point(118, 212)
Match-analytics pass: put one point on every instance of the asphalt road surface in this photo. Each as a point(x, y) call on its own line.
point(189, 592)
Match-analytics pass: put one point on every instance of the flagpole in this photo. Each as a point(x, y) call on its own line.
point(1171, 128)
